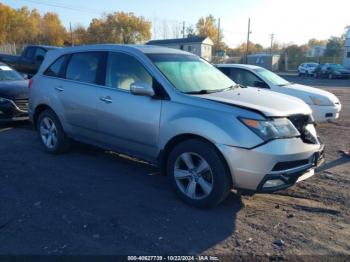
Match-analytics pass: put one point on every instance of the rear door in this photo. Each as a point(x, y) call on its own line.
point(128, 122)
point(77, 93)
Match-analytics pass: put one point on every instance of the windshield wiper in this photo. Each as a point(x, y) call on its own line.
point(286, 84)
point(200, 92)
point(207, 91)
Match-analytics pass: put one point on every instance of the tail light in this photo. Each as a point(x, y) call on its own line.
point(30, 83)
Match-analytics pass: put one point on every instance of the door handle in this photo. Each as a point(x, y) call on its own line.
point(106, 99)
point(59, 88)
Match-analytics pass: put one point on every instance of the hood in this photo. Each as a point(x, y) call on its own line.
point(267, 102)
point(304, 92)
point(14, 89)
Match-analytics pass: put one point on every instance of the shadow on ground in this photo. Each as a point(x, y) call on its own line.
point(92, 202)
point(337, 162)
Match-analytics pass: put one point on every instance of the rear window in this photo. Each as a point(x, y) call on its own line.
point(86, 67)
point(56, 69)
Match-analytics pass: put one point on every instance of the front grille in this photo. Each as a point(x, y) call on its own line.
point(22, 104)
point(300, 122)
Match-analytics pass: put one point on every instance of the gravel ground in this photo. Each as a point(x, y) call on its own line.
point(94, 202)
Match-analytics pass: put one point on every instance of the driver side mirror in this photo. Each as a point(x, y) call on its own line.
point(261, 84)
point(142, 89)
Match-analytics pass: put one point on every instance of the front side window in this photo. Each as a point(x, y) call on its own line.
point(124, 70)
point(244, 77)
point(40, 52)
point(191, 74)
point(56, 69)
point(86, 67)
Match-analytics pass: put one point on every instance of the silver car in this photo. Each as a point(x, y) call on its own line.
point(174, 109)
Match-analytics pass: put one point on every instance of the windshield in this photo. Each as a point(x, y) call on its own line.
point(271, 77)
point(7, 74)
point(191, 74)
point(336, 66)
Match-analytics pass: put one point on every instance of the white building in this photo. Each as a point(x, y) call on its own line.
point(198, 45)
point(346, 60)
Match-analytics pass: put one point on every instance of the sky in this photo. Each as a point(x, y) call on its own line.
point(291, 21)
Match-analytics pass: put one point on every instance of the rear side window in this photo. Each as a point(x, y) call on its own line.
point(56, 69)
point(87, 67)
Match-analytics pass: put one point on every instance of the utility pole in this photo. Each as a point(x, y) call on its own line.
point(272, 37)
point(218, 40)
point(248, 34)
point(71, 34)
point(183, 29)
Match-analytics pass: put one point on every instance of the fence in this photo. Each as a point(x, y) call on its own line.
point(9, 49)
point(287, 64)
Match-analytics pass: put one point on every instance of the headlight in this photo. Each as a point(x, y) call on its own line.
point(321, 101)
point(272, 128)
point(337, 72)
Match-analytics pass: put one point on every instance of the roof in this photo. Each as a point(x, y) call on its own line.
point(147, 49)
point(191, 39)
point(244, 66)
point(48, 47)
point(262, 54)
point(135, 49)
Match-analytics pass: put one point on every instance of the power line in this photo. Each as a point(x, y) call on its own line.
point(67, 7)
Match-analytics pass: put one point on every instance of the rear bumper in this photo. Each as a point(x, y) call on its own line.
point(11, 110)
point(290, 160)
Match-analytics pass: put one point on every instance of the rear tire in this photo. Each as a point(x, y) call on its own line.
point(199, 173)
point(51, 133)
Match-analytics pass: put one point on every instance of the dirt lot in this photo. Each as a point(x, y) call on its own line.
point(93, 202)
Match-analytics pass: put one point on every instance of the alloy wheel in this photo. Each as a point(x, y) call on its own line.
point(193, 175)
point(48, 132)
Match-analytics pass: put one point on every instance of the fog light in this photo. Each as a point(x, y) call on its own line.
point(273, 183)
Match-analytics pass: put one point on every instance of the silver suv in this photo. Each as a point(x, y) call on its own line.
point(172, 108)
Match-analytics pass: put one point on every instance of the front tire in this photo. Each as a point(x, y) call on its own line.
point(199, 173)
point(51, 133)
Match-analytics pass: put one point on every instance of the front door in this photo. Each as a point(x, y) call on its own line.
point(128, 122)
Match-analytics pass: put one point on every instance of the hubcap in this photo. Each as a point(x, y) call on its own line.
point(193, 175)
point(48, 132)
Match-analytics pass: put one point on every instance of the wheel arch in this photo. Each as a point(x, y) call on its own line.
point(38, 110)
point(164, 153)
